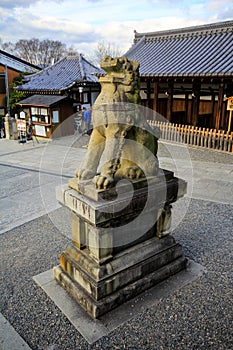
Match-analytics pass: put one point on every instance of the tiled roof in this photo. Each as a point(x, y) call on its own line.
point(16, 63)
point(41, 100)
point(194, 51)
point(62, 75)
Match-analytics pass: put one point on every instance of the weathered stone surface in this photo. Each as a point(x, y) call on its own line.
point(132, 264)
point(97, 308)
point(160, 191)
point(120, 245)
point(121, 135)
point(120, 216)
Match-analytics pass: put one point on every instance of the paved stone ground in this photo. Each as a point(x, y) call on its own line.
point(198, 316)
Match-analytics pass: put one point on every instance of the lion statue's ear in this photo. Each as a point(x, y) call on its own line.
point(135, 65)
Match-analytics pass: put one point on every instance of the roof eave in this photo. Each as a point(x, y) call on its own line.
point(70, 85)
point(33, 105)
point(190, 75)
point(40, 92)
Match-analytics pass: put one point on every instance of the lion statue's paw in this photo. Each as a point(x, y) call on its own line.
point(84, 174)
point(103, 182)
point(132, 173)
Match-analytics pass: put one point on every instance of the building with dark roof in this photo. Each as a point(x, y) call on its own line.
point(187, 74)
point(72, 81)
point(49, 115)
point(73, 75)
point(10, 67)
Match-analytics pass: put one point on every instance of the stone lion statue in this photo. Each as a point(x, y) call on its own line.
point(122, 144)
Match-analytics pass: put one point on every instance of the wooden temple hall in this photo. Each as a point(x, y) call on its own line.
point(187, 74)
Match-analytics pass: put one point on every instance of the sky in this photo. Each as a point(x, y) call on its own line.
point(82, 24)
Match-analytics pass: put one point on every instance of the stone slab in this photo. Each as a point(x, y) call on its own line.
point(136, 263)
point(129, 202)
point(9, 338)
point(88, 189)
point(124, 260)
point(93, 330)
point(98, 308)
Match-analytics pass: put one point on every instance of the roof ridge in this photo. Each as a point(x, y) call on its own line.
point(136, 45)
point(88, 62)
point(82, 69)
point(200, 30)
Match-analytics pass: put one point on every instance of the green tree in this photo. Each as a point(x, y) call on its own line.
point(15, 96)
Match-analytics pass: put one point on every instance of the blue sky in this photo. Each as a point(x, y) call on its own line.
point(83, 23)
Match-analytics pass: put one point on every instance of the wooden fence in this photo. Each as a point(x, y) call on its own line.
point(209, 138)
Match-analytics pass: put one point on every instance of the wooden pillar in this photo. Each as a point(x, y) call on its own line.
point(212, 108)
point(195, 103)
point(186, 109)
point(169, 101)
point(148, 93)
point(155, 101)
point(220, 105)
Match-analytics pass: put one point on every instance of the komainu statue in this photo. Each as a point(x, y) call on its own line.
point(122, 144)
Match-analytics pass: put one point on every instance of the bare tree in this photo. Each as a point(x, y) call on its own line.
point(106, 49)
point(41, 53)
point(7, 46)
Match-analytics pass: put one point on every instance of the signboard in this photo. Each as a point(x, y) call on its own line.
point(230, 103)
point(22, 115)
point(21, 125)
point(230, 108)
point(40, 130)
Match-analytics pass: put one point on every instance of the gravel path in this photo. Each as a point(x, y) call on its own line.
point(199, 316)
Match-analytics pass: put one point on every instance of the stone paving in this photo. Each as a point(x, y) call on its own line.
point(203, 224)
point(30, 173)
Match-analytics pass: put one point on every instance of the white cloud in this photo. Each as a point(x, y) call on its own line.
point(15, 3)
point(222, 11)
point(84, 23)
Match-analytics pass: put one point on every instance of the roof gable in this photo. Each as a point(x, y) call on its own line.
point(201, 50)
point(62, 75)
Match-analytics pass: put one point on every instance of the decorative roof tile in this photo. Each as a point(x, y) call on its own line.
point(62, 75)
point(193, 51)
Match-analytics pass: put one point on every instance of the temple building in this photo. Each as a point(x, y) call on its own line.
point(73, 76)
point(187, 74)
point(58, 92)
point(10, 68)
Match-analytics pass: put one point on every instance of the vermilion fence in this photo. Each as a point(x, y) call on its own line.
point(209, 138)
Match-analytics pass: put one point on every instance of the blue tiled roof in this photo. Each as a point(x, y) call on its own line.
point(62, 75)
point(15, 63)
point(194, 51)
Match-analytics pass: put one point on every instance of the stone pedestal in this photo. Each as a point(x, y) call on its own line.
point(7, 127)
point(120, 242)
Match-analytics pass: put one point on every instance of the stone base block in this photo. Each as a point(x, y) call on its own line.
point(100, 288)
point(120, 240)
point(97, 308)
